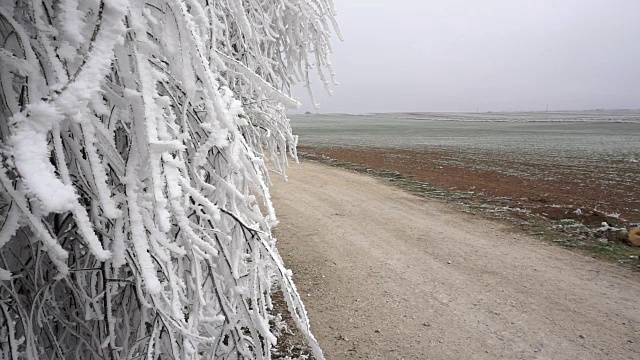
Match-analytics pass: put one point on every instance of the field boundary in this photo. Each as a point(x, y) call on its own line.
point(607, 242)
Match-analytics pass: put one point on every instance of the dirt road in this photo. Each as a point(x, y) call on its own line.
point(387, 275)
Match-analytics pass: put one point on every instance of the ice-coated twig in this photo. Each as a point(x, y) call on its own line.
point(134, 141)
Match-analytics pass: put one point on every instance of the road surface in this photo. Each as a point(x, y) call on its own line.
point(387, 275)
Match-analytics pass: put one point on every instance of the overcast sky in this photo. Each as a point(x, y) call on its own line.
point(461, 55)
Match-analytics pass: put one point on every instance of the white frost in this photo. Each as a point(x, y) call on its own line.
point(131, 170)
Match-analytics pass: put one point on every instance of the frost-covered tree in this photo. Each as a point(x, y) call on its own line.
point(135, 217)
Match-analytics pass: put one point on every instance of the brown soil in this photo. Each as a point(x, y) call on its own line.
point(548, 189)
point(291, 343)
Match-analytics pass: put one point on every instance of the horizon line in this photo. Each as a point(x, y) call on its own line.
point(464, 112)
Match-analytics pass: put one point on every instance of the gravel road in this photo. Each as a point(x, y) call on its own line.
point(387, 275)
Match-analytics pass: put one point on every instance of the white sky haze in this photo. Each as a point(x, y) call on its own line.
point(491, 55)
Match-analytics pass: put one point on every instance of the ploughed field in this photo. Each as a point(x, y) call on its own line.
point(575, 169)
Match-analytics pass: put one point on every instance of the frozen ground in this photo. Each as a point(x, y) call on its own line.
point(597, 135)
point(543, 161)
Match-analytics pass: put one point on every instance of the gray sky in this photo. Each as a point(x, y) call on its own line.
point(459, 55)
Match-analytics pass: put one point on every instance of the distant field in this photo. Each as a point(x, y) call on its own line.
point(550, 163)
point(584, 135)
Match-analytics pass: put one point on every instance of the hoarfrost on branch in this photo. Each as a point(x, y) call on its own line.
point(132, 168)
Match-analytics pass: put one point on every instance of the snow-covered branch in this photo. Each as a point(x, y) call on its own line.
point(132, 173)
